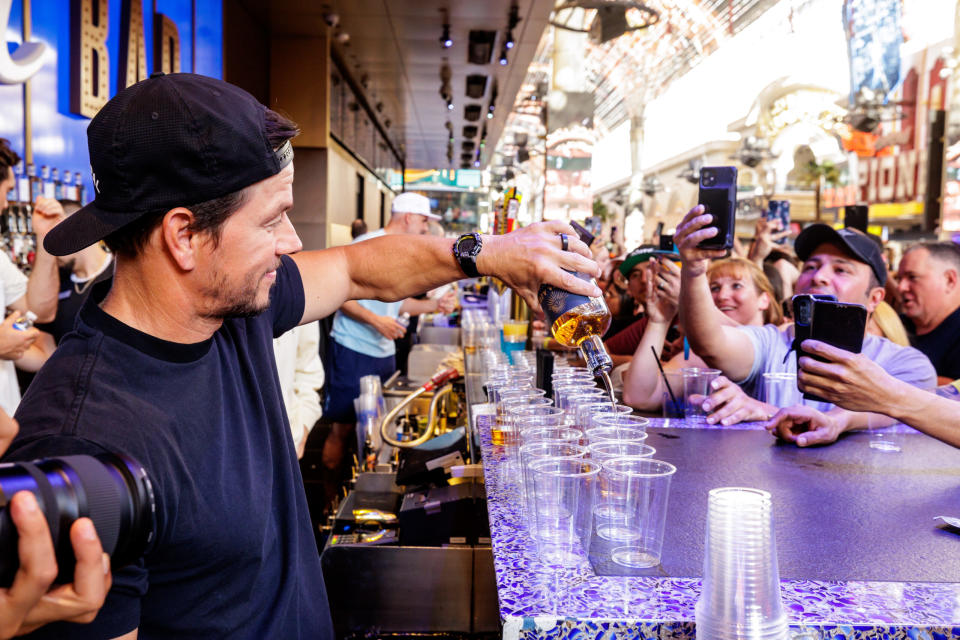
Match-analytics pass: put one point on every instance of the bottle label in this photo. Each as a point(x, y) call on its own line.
point(555, 301)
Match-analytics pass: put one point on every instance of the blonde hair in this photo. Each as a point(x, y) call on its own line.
point(890, 325)
point(740, 267)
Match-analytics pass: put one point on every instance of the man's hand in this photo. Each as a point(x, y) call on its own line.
point(689, 234)
point(27, 604)
point(805, 426)
point(729, 404)
point(528, 257)
point(14, 342)
point(663, 290)
point(848, 380)
point(47, 213)
point(765, 234)
point(447, 302)
point(388, 327)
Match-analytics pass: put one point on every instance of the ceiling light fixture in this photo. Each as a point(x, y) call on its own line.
point(445, 40)
point(508, 43)
point(503, 58)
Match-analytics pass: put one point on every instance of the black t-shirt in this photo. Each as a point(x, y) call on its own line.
point(70, 299)
point(942, 345)
point(234, 554)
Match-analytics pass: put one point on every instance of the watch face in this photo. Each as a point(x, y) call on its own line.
point(467, 245)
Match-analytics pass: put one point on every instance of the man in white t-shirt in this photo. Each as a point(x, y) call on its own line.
point(364, 330)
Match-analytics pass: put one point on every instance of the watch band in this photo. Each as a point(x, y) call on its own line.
point(465, 250)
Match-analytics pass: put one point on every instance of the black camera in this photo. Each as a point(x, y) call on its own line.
point(113, 490)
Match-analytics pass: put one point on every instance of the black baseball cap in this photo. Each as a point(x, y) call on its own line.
point(168, 141)
point(639, 255)
point(857, 243)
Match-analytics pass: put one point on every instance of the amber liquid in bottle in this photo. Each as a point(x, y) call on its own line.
point(578, 321)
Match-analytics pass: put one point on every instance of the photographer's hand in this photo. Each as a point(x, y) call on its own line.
point(28, 604)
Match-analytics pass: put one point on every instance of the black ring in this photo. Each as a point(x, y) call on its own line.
point(564, 243)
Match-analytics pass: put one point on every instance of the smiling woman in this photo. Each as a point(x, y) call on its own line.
point(742, 291)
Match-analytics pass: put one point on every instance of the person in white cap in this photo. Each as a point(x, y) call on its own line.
point(364, 330)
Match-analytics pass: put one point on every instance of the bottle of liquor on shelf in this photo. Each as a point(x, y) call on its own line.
point(68, 191)
point(57, 185)
point(46, 181)
point(23, 183)
point(80, 189)
point(34, 182)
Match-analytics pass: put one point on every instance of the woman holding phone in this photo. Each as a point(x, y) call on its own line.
point(745, 296)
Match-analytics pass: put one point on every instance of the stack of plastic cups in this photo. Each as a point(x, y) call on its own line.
point(740, 597)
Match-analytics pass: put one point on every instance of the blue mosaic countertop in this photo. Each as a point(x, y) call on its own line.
point(537, 602)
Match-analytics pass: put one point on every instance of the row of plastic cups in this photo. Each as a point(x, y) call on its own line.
point(626, 496)
point(542, 448)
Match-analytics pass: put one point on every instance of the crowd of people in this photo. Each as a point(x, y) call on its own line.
point(703, 308)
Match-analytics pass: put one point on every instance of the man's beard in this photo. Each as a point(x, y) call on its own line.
point(240, 303)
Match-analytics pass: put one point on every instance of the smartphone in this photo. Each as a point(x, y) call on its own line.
point(666, 242)
point(803, 315)
point(779, 210)
point(585, 236)
point(840, 324)
point(718, 195)
point(856, 216)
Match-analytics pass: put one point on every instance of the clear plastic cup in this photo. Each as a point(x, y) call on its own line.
point(531, 416)
point(632, 509)
point(572, 401)
point(583, 412)
point(620, 421)
point(562, 391)
point(562, 496)
point(673, 398)
point(780, 390)
point(565, 434)
point(740, 596)
point(535, 451)
point(696, 388)
point(616, 434)
point(608, 449)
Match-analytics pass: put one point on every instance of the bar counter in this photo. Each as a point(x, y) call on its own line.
point(859, 551)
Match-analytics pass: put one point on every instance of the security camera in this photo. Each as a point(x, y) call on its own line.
point(332, 19)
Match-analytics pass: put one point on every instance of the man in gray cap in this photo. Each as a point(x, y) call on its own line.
point(174, 366)
point(363, 334)
point(846, 264)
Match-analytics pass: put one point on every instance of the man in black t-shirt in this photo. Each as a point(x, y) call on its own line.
point(929, 282)
point(175, 366)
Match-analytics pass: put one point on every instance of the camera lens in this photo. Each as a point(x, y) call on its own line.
point(112, 490)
